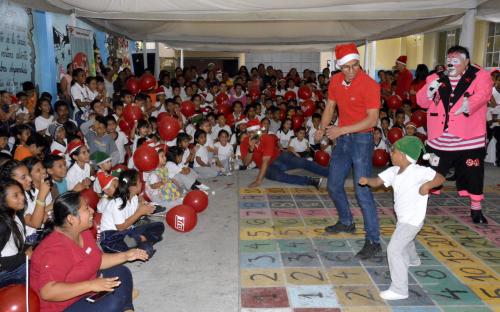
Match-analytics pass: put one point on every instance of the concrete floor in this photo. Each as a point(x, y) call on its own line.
point(199, 271)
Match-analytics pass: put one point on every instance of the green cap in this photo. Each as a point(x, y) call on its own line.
point(410, 146)
point(99, 157)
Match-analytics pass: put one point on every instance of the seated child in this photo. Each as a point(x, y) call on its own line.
point(184, 177)
point(108, 185)
point(202, 160)
point(57, 170)
point(224, 152)
point(78, 177)
point(299, 145)
point(102, 162)
point(411, 184)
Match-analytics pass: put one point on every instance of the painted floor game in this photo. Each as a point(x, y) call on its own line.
point(289, 264)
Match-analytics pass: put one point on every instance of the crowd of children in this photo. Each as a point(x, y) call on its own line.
point(48, 148)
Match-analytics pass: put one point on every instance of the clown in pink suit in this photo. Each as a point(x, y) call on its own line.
point(456, 105)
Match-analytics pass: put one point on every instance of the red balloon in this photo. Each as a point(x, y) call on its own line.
point(161, 116)
point(182, 218)
point(196, 199)
point(282, 115)
point(132, 85)
point(96, 224)
point(394, 102)
point(394, 134)
point(90, 197)
point(319, 94)
point(297, 121)
point(125, 126)
point(419, 118)
point(322, 158)
point(147, 82)
point(222, 98)
point(229, 119)
point(380, 157)
point(305, 93)
point(146, 158)
point(131, 113)
point(168, 128)
point(188, 109)
point(308, 107)
point(13, 299)
point(289, 95)
point(254, 93)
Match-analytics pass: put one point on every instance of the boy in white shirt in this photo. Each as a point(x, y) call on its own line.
point(411, 184)
point(299, 145)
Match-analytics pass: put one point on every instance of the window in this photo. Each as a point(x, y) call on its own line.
point(447, 39)
point(493, 46)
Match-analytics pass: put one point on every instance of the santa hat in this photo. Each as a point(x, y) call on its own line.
point(345, 53)
point(57, 152)
point(99, 157)
point(411, 124)
point(402, 59)
point(160, 91)
point(73, 146)
point(104, 180)
point(253, 125)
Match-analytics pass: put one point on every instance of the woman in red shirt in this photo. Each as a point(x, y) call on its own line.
point(67, 266)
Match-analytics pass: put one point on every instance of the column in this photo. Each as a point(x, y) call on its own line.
point(145, 54)
point(182, 58)
point(373, 59)
point(157, 59)
point(468, 29)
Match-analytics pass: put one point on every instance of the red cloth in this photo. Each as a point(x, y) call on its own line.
point(415, 86)
point(59, 259)
point(267, 146)
point(403, 83)
point(353, 101)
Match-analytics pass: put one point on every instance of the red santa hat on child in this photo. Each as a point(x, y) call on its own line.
point(104, 180)
point(402, 59)
point(345, 53)
point(73, 146)
point(253, 125)
point(160, 91)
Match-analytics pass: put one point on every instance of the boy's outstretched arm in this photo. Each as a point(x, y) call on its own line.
point(371, 182)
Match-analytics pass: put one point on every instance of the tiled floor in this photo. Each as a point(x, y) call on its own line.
point(288, 263)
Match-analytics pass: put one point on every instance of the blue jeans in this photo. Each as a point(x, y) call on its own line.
point(16, 276)
point(287, 161)
point(354, 151)
point(113, 241)
point(119, 300)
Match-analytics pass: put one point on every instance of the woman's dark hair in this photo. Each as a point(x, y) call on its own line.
point(38, 107)
point(421, 72)
point(127, 179)
point(30, 162)
point(8, 168)
point(7, 215)
point(199, 133)
point(64, 205)
point(173, 153)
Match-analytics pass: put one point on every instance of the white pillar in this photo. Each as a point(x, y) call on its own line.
point(468, 29)
point(157, 59)
point(182, 59)
point(373, 58)
point(145, 54)
point(365, 60)
point(72, 19)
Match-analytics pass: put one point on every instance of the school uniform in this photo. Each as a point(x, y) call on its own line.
point(76, 175)
point(224, 154)
point(204, 171)
point(300, 146)
point(284, 137)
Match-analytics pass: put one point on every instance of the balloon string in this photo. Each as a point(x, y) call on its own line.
point(27, 284)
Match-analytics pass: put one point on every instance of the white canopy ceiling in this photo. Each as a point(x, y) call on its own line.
point(263, 25)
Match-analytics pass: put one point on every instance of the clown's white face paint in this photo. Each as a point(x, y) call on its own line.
point(456, 63)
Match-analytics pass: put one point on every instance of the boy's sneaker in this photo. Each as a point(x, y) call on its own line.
point(369, 250)
point(341, 228)
point(316, 182)
point(478, 217)
point(390, 295)
point(159, 209)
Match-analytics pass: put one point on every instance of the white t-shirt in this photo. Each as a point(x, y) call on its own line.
point(299, 146)
point(79, 92)
point(121, 141)
point(76, 175)
point(10, 248)
point(112, 214)
point(103, 203)
point(496, 95)
point(409, 205)
point(173, 169)
point(381, 145)
point(42, 123)
point(202, 152)
point(284, 138)
point(30, 208)
point(223, 152)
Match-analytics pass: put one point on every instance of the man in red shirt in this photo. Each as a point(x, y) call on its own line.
point(404, 78)
point(357, 98)
point(264, 151)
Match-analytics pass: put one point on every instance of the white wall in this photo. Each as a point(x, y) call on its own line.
point(285, 61)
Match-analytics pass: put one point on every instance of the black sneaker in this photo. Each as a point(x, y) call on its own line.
point(339, 228)
point(316, 182)
point(369, 250)
point(478, 217)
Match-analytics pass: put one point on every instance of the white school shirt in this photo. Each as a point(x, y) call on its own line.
point(112, 214)
point(103, 203)
point(409, 205)
point(10, 248)
point(312, 132)
point(173, 169)
point(381, 145)
point(224, 152)
point(284, 137)
point(299, 146)
point(76, 175)
point(120, 141)
point(201, 152)
point(79, 92)
point(42, 123)
point(489, 115)
point(30, 207)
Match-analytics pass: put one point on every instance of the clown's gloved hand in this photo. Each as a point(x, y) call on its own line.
point(432, 158)
point(432, 89)
point(464, 109)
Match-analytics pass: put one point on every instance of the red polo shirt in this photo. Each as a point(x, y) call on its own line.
point(354, 100)
point(267, 146)
point(403, 83)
